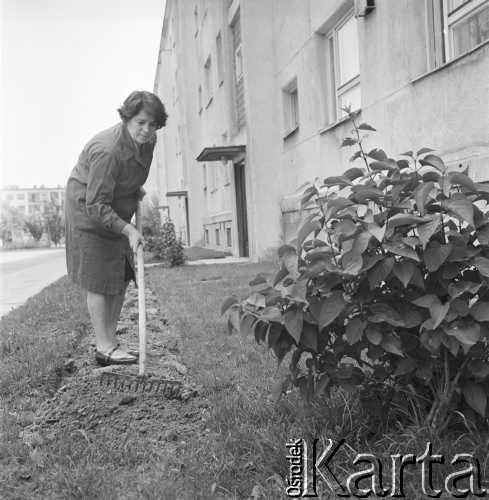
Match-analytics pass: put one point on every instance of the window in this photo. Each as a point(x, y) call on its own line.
point(204, 176)
point(220, 72)
point(218, 237)
point(196, 19)
point(228, 237)
point(455, 27)
point(206, 236)
point(343, 63)
point(238, 71)
point(291, 107)
point(208, 81)
point(199, 98)
point(20, 196)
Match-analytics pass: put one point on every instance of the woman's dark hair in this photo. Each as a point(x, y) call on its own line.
point(140, 99)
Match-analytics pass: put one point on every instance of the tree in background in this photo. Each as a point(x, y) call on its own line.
point(53, 222)
point(34, 226)
point(11, 220)
point(166, 247)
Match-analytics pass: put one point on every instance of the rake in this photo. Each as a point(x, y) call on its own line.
point(142, 382)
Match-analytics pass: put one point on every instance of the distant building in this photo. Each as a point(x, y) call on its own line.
point(253, 90)
point(28, 201)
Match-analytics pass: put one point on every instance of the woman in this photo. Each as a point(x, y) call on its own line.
point(101, 198)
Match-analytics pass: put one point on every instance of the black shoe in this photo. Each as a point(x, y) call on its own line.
point(110, 358)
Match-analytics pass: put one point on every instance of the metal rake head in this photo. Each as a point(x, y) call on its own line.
point(167, 388)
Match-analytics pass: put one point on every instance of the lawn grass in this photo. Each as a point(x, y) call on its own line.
point(241, 452)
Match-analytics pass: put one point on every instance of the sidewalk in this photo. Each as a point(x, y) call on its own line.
point(225, 260)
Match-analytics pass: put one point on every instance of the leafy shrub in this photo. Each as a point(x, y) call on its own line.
point(165, 246)
point(150, 216)
point(54, 223)
point(34, 226)
point(386, 288)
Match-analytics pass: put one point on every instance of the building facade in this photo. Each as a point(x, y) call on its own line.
point(254, 90)
point(29, 201)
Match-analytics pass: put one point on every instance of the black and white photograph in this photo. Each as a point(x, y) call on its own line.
point(244, 249)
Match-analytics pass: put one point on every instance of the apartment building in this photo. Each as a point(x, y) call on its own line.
point(254, 88)
point(28, 201)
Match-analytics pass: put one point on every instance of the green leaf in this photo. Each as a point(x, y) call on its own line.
point(280, 387)
point(426, 231)
point(260, 331)
point(433, 161)
point(337, 181)
point(438, 312)
point(322, 383)
point(426, 300)
point(246, 323)
point(383, 165)
point(228, 302)
point(366, 126)
point(435, 255)
point(309, 336)
point(403, 271)
point(483, 235)
point(307, 195)
point(374, 334)
point(480, 311)
point(417, 279)
point(430, 176)
point(392, 344)
point(352, 263)
point(466, 334)
point(457, 288)
point(482, 264)
point(368, 194)
point(475, 396)
point(260, 278)
point(298, 290)
point(376, 231)
point(421, 195)
point(332, 207)
point(354, 173)
point(384, 313)
point(361, 242)
point(380, 271)
point(377, 154)
point(406, 220)
point(281, 250)
point(330, 309)
point(348, 141)
point(401, 249)
point(422, 151)
point(280, 275)
point(291, 263)
point(234, 318)
point(354, 330)
point(305, 230)
point(293, 319)
point(274, 333)
point(407, 153)
point(463, 180)
point(461, 206)
point(256, 299)
point(412, 318)
point(405, 366)
point(272, 314)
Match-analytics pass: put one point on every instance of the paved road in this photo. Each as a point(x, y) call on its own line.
point(24, 273)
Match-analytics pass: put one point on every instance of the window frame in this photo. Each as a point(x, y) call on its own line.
point(454, 17)
point(208, 81)
point(334, 89)
point(291, 110)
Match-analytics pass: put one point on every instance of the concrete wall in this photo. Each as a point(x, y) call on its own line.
point(284, 41)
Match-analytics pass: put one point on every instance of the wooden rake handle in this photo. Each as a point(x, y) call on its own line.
point(141, 298)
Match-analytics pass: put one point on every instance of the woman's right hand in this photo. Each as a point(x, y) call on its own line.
point(134, 236)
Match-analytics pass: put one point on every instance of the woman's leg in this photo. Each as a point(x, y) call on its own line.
point(98, 309)
point(114, 310)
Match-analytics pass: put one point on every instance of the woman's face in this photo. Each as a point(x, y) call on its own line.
point(141, 127)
